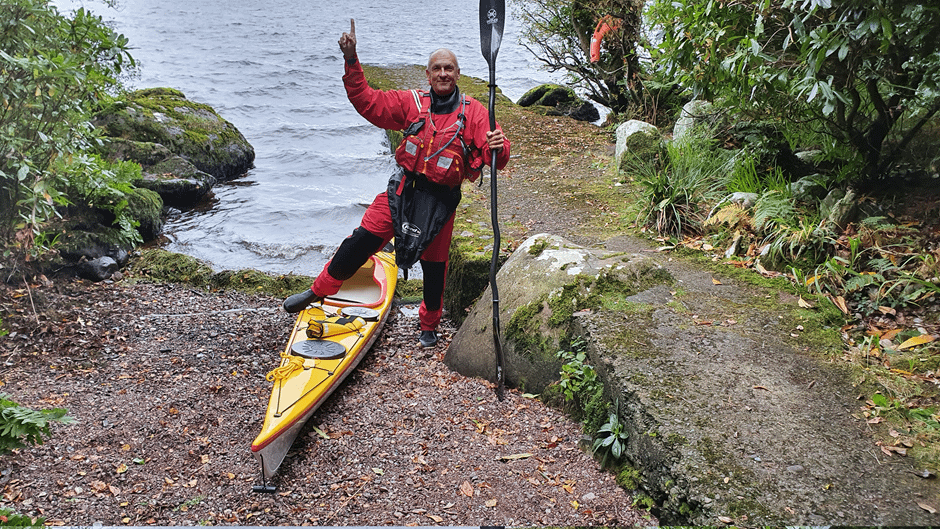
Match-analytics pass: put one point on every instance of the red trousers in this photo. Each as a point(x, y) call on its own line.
point(377, 221)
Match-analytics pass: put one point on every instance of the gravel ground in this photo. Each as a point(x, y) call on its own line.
point(167, 388)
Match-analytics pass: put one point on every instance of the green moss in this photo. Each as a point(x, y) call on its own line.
point(675, 440)
point(565, 302)
point(523, 330)
point(629, 478)
point(161, 265)
point(596, 411)
point(411, 291)
point(709, 450)
point(538, 247)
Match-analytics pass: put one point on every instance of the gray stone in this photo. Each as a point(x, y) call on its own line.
point(635, 137)
point(808, 188)
point(97, 269)
point(744, 199)
point(561, 101)
point(546, 276)
point(840, 208)
point(178, 182)
point(693, 114)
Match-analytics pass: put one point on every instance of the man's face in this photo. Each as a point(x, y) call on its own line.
point(443, 72)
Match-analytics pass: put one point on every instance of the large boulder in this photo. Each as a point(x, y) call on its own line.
point(560, 100)
point(694, 114)
point(636, 139)
point(542, 285)
point(191, 130)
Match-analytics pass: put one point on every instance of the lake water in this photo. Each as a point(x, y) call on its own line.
point(273, 68)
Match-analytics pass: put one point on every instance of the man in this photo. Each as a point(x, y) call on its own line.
point(447, 140)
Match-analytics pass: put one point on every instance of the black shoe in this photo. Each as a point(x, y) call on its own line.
point(300, 301)
point(428, 339)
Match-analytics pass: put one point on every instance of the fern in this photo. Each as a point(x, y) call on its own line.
point(773, 208)
point(21, 426)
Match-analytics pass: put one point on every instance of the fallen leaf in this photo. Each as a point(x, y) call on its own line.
point(122, 468)
point(804, 304)
point(760, 269)
point(378, 471)
point(896, 449)
point(928, 508)
point(840, 302)
point(917, 340)
point(715, 281)
point(514, 457)
point(205, 459)
point(491, 502)
point(725, 519)
point(888, 310)
point(575, 504)
point(114, 490)
point(321, 433)
point(436, 518)
point(889, 335)
point(760, 387)
point(466, 489)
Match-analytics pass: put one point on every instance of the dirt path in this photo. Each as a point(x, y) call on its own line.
point(167, 388)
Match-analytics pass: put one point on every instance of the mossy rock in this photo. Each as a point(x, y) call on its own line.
point(180, 184)
point(557, 100)
point(542, 285)
point(146, 207)
point(160, 265)
point(191, 130)
point(547, 95)
point(145, 153)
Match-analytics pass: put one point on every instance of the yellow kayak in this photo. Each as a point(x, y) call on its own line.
point(327, 343)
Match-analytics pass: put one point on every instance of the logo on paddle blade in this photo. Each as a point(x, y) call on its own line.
point(492, 17)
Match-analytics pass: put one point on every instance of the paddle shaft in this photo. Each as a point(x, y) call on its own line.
point(492, 18)
point(497, 341)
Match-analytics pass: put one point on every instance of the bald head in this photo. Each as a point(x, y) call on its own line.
point(443, 72)
point(443, 53)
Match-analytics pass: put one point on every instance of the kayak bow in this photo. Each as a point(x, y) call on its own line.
point(328, 341)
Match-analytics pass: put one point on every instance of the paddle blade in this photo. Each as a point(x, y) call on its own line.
point(492, 20)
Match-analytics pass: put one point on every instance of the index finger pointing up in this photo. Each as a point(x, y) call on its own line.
point(352, 27)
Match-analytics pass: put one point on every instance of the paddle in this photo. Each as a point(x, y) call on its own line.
point(492, 17)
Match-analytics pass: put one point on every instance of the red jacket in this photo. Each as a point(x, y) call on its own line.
point(397, 109)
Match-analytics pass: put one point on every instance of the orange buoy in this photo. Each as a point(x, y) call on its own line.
point(604, 26)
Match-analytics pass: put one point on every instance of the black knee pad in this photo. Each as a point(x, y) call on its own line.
point(354, 251)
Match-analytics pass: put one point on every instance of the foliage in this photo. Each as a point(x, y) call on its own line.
point(676, 186)
point(611, 438)
point(577, 377)
point(55, 69)
point(97, 183)
point(559, 32)
point(21, 426)
point(865, 71)
point(9, 518)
